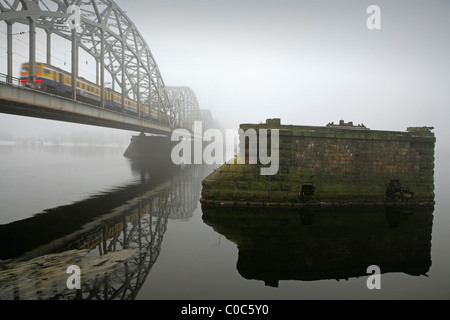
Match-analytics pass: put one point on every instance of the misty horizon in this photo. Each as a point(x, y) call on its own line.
point(304, 62)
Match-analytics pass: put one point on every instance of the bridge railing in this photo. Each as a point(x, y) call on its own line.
point(8, 80)
point(18, 83)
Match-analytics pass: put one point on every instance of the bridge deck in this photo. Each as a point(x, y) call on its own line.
point(32, 103)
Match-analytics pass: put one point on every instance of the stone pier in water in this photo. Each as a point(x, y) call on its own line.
point(338, 164)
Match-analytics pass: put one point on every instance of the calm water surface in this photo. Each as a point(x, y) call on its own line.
point(140, 233)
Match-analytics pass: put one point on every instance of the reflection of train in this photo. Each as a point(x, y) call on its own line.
point(59, 82)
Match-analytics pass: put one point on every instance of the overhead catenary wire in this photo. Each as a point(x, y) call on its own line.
point(24, 46)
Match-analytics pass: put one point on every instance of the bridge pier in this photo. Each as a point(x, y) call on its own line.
point(151, 150)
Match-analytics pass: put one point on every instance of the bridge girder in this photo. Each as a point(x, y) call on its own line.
point(185, 104)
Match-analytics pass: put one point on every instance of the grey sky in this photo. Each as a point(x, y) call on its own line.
point(306, 62)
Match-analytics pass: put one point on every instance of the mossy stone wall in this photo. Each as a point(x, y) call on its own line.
point(341, 165)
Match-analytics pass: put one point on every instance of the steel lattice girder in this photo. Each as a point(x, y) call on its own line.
point(113, 40)
point(185, 104)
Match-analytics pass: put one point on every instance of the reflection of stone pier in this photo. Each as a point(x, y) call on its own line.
point(316, 244)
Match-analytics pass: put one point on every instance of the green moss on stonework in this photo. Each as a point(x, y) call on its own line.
point(272, 186)
point(258, 186)
point(321, 157)
point(242, 185)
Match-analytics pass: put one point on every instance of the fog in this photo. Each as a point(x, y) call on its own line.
point(306, 62)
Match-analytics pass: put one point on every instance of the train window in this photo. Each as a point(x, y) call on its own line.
point(47, 71)
point(25, 69)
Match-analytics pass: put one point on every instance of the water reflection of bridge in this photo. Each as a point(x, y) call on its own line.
point(135, 227)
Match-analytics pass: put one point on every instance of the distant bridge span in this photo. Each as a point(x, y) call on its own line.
point(111, 38)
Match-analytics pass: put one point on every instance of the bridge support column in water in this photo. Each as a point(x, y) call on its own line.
point(153, 150)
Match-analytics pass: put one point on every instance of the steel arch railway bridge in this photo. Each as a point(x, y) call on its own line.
point(139, 100)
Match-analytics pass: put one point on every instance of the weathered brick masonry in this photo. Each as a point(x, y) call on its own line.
point(341, 164)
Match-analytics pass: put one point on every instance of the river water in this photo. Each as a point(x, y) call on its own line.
point(141, 233)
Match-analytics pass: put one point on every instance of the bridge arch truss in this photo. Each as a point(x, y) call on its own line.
point(111, 38)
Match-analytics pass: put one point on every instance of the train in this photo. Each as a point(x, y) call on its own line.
point(56, 81)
